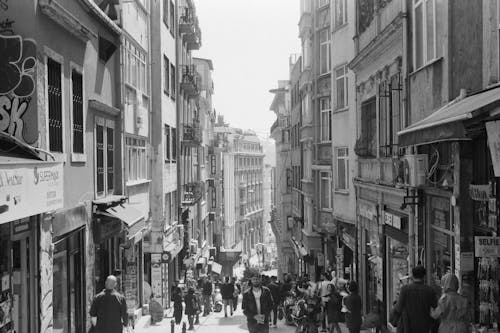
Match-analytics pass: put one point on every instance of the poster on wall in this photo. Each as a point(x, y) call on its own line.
point(493, 130)
point(156, 276)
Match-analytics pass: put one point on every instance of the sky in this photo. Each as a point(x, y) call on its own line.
point(249, 42)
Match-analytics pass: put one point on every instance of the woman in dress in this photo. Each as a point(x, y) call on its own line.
point(352, 302)
point(452, 309)
point(333, 306)
point(177, 299)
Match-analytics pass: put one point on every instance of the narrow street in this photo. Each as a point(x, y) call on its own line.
point(216, 322)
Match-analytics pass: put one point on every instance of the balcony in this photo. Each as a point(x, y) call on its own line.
point(193, 40)
point(192, 193)
point(187, 20)
point(190, 81)
point(192, 134)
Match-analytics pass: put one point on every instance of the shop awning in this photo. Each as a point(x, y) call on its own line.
point(447, 123)
point(130, 216)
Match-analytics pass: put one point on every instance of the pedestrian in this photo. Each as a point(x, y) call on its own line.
point(352, 303)
point(257, 305)
point(108, 311)
point(333, 309)
point(237, 292)
point(411, 314)
point(452, 308)
point(177, 299)
point(207, 296)
point(191, 307)
point(276, 294)
point(227, 291)
point(323, 291)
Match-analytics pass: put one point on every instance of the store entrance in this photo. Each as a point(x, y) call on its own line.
point(23, 285)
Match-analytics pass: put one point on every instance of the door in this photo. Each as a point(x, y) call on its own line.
point(23, 299)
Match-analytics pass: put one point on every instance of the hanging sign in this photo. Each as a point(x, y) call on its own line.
point(487, 247)
point(493, 130)
point(480, 192)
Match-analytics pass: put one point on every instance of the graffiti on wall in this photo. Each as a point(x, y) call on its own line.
point(18, 112)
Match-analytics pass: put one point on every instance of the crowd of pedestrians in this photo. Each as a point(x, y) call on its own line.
point(312, 306)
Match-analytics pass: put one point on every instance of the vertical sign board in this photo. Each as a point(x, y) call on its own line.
point(156, 278)
point(493, 130)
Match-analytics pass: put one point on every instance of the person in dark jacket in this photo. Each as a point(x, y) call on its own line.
point(227, 292)
point(191, 307)
point(276, 293)
point(333, 306)
point(207, 296)
point(177, 299)
point(352, 303)
point(237, 292)
point(257, 305)
point(412, 312)
point(108, 311)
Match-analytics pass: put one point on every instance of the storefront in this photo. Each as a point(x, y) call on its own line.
point(118, 231)
point(69, 276)
point(173, 241)
point(28, 189)
point(346, 252)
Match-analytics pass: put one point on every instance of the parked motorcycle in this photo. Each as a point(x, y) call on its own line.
point(288, 305)
point(218, 304)
point(305, 315)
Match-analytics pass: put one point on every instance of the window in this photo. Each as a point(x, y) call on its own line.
point(341, 82)
point(55, 106)
point(322, 3)
point(213, 164)
point(390, 118)
point(367, 142)
point(137, 166)
point(173, 206)
point(326, 119)
point(135, 67)
point(424, 32)
point(340, 12)
point(168, 204)
point(324, 51)
point(325, 188)
point(104, 150)
point(342, 165)
point(77, 92)
point(165, 12)
point(172, 17)
point(173, 138)
point(167, 143)
point(172, 81)
point(213, 197)
point(166, 74)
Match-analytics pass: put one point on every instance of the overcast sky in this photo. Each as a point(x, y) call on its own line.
point(250, 42)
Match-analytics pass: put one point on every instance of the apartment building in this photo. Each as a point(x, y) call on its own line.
point(58, 163)
point(189, 186)
point(166, 237)
point(241, 157)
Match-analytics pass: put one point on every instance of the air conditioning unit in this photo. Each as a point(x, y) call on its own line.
point(415, 169)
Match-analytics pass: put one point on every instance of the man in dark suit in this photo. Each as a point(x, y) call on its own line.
point(411, 313)
point(275, 292)
point(257, 305)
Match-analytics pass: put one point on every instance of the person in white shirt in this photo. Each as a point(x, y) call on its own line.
point(257, 305)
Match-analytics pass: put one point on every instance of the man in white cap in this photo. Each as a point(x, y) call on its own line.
point(108, 311)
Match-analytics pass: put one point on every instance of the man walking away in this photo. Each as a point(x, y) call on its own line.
point(108, 311)
point(227, 291)
point(207, 297)
point(411, 313)
point(257, 304)
point(237, 291)
point(276, 293)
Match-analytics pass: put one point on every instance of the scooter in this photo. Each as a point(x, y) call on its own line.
point(304, 315)
point(218, 304)
point(288, 305)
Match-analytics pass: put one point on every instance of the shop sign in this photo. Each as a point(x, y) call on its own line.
point(488, 247)
point(349, 241)
point(321, 259)
point(27, 190)
point(466, 262)
point(493, 130)
point(21, 226)
point(156, 276)
point(393, 220)
point(480, 192)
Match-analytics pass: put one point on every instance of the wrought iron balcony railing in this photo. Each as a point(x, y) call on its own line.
point(190, 80)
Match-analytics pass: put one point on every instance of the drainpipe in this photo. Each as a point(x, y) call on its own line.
point(177, 120)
